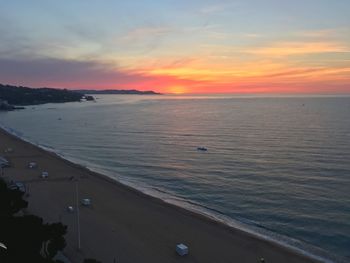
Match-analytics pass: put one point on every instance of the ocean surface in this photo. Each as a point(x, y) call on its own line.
point(278, 166)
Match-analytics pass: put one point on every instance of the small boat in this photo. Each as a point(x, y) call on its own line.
point(202, 149)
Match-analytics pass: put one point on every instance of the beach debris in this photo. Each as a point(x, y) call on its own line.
point(181, 249)
point(262, 260)
point(70, 209)
point(32, 165)
point(44, 175)
point(86, 201)
point(202, 149)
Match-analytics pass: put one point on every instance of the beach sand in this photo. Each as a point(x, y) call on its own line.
point(124, 225)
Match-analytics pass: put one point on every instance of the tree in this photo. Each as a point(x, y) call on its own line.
point(91, 260)
point(55, 239)
point(26, 237)
point(11, 201)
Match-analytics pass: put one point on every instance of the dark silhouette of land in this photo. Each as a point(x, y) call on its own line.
point(120, 91)
point(18, 95)
point(23, 96)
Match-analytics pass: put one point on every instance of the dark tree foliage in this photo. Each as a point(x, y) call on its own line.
point(90, 260)
point(56, 241)
point(27, 238)
point(28, 96)
point(10, 201)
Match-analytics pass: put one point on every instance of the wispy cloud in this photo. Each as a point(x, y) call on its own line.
point(139, 34)
point(212, 9)
point(143, 40)
point(82, 74)
point(321, 33)
point(217, 8)
point(252, 35)
point(50, 71)
point(298, 48)
point(320, 73)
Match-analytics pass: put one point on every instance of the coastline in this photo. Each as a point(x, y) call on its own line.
point(212, 241)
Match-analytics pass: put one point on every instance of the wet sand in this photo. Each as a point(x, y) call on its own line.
point(124, 225)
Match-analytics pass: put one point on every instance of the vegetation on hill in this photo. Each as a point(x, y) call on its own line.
point(28, 96)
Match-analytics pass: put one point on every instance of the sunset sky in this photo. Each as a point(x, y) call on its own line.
point(177, 46)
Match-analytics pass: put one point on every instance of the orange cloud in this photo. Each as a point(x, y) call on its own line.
point(298, 48)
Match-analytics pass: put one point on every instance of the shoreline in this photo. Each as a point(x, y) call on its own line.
point(295, 254)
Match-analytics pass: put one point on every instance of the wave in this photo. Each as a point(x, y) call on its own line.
point(248, 226)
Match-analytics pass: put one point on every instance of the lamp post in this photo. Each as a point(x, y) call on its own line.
point(78, 215)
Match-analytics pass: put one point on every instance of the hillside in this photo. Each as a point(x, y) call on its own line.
point(28, 96)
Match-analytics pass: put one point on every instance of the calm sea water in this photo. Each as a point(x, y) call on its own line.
point(279, 163)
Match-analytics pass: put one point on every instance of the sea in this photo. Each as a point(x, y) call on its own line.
point(276, 166)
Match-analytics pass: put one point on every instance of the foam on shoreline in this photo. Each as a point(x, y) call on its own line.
point(249, 227)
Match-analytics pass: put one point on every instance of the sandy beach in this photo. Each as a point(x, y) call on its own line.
point(124, 225)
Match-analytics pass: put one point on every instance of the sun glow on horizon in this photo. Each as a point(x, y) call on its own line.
point(177, 90)
point(197, 47)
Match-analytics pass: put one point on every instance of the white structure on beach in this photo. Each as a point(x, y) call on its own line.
point(32, 165)
point(4, 162)
point(86, 201)
point(181, 249)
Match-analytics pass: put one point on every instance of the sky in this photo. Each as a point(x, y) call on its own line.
point(177, 46)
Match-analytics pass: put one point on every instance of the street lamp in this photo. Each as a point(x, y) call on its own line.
point(78, 216)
